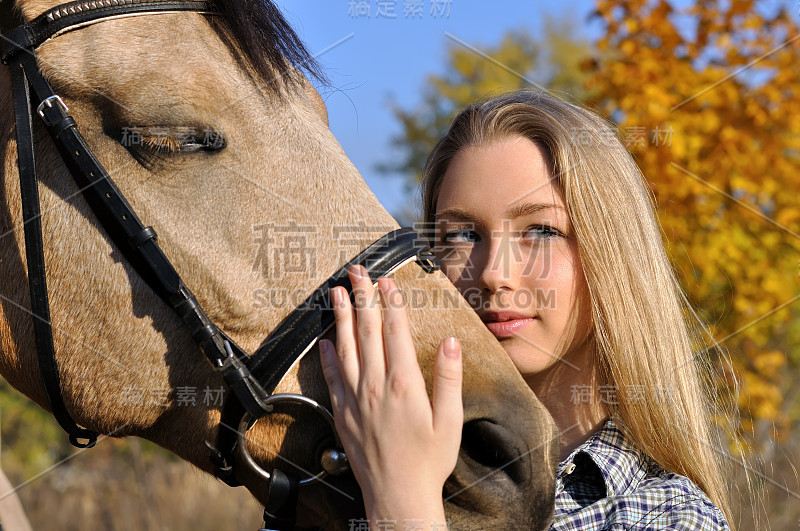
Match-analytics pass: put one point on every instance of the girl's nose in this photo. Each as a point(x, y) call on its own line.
point(500, 268)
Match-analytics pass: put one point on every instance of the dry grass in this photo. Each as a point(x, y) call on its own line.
point(125, 489)
point(133, 485)
point(121, 490)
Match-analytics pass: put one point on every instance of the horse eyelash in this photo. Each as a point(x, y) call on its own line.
point(208, 140)
point(166, 145)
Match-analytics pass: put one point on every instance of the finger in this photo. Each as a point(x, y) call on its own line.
point(346, 341)
point(401, 355)
point(345, 416)
point(330, 368)
point(448, 408)
point(369, 325)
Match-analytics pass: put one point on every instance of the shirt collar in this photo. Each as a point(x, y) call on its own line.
point(621, 465)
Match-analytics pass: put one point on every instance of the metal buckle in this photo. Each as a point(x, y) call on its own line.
point(48, 103)
point(333, 460)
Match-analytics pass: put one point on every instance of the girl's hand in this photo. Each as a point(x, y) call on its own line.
point(401, 446)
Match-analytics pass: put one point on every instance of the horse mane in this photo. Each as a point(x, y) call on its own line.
point(270, 44)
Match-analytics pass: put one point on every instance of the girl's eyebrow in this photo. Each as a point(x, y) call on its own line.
point(518, 211)
point(527, 209)
point(457, 213)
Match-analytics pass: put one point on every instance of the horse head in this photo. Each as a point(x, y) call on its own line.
point(217, 140)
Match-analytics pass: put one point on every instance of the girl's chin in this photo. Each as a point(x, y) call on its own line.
point(529, 364)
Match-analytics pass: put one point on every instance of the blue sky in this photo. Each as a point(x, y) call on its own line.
point(371, 57)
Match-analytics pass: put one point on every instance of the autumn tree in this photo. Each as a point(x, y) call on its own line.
point(474, 70)
point(707, 100)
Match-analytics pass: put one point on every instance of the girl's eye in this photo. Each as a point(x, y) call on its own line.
point(541, 232)
point(461, 236)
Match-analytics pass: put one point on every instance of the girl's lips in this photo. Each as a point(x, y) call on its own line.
point(509, 328)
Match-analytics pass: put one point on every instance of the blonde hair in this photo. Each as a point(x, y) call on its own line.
point(642, 335)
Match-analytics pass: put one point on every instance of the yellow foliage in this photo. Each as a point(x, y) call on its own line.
point(768, 363)
point(788, 217)
point(729, 203)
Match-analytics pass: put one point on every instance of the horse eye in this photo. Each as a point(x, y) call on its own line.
point(167, 140)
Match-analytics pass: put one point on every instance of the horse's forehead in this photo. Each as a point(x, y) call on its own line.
point(172, 59)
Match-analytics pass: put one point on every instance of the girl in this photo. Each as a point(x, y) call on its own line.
point(544, 223)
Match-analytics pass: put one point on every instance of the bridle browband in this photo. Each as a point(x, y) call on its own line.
point(251, 378)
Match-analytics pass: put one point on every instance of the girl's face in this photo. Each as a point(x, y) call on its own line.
point(506, 242)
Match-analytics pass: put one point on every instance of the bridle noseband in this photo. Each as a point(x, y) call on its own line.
point(251, 378)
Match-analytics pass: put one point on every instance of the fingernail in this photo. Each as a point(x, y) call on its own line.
point(325, 347)
point(451, 348)
point(356, 272)
point(336, 297)
point(384, 285)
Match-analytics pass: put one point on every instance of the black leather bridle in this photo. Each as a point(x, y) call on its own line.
point(251, 378)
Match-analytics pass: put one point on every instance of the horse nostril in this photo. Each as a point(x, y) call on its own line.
point(493, 446)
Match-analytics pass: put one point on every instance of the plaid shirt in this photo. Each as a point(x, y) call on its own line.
point(607, 484)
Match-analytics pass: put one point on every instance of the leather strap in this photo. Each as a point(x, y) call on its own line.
point(34, 255)
point(286, 344)
point(75, 15)
point(305, 325)
point(280, 512)
point(37, 279)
